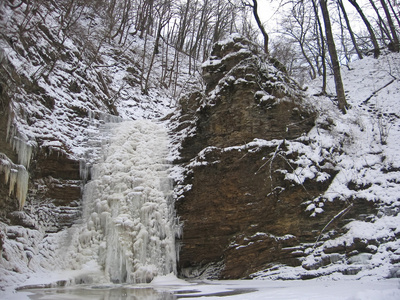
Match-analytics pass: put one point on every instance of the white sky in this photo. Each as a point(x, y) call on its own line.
point(270, 12)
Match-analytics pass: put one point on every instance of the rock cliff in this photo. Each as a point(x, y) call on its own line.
point(242, 205)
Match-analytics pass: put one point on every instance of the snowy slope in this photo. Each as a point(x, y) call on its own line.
point(62, 82)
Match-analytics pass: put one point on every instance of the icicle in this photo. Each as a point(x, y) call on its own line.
point(17, 177)
point(103, 117)
point(22, 186)
point(13, 175)
point(98, 131)
point(19, 141)
point(5, 167)
point(24, 151)
point(10, 118)
point(84, 170)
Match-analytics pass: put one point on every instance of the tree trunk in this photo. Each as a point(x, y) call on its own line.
point(260, 26)
point(195, 49)
point(377, 51)
point(353, 39)
point(395, 39)
point(396, 16)
point(183, 27)
point(342, 103)
point(381, 22)
point(323, 56)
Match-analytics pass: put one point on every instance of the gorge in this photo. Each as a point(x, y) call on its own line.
point(237, 173)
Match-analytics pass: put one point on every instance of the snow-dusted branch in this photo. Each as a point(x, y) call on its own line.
point(378, 90)
point(341, 213)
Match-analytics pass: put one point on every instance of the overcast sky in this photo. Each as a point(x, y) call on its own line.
point(271, 11)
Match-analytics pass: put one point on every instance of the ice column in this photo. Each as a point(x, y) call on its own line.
point(130, 221)
point(17, 177)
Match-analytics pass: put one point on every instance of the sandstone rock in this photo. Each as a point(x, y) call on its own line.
point(246, 99)
point(240, 214)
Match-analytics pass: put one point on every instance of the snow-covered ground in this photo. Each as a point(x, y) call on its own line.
point(168, 287)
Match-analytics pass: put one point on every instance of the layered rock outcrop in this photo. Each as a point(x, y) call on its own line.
point(47, 176)
point(242, 204)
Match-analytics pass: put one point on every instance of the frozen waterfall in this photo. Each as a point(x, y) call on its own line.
point(129, 225)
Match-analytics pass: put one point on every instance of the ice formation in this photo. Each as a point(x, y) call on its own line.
point(97, 136)
point(18, 143)
point(129, 221)
point(17, 177)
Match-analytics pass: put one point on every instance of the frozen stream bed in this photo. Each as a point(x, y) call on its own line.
point(169, 287)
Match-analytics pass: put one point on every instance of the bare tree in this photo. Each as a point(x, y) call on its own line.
point(395, 39)
point(124, 17)
point(351, 33)
point(321, 42)
point(342, 103)
point(183, 24)
point(369, 27)
point(199, 36)
point(254, 7)
point(222, 16)
point(144, 19)
point(298, 25)
point(395, 14)
point(381, 23)
point(163, 11)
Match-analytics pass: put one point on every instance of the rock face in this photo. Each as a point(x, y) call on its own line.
point(54, 184)
point(240, 212)
point(245, 99)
